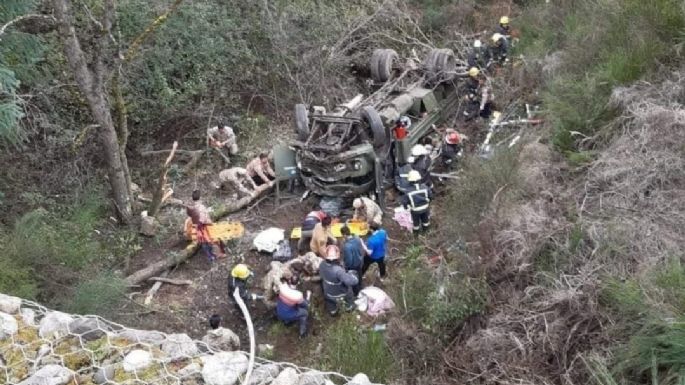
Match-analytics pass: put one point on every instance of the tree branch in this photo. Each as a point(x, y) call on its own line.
point(23, 17)
point(133, 48)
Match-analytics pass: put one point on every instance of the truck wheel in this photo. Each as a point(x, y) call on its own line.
point(386, 63)
point(380, 136)
point(438, 64)
point(374, 64)
point(301, 122)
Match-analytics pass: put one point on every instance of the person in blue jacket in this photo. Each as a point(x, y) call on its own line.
point(376, 245)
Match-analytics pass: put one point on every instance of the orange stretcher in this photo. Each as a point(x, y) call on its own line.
point(356, 228)
point(220, 231)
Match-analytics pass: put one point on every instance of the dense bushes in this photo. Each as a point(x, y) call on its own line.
point(47, 255)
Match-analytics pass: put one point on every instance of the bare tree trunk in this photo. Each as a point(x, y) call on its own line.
point(91, 82)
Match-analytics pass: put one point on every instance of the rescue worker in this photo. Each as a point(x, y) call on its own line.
point(417, 201)
point(291, 305)
point(401, 128)
point(315, 216)
point(353, 252)
point(376, 246)
point(479, 55)
point(337, 283)
point(321, 237)
point(236, 177)
point(199, 215)
point(499, 48)
point(238, 281)
point(222, 137)
point(504, 28)
point(451, 148)
point(477, 96)
point(259, 169)
point(422, 163)
point(367, 210)
point(401, 183)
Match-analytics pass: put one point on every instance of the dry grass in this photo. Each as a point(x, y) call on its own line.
point(625, 216)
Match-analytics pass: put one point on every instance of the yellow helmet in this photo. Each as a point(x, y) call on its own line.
point(240, 271)
point(473, 72)
point(496, 37)
point(504, 20)
point(413, 176)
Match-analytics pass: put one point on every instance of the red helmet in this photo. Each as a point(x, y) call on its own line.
point(452, 138)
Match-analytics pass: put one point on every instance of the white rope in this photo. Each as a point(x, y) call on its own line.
point(250, 331)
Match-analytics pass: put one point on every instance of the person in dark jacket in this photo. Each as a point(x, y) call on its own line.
point(337, 283)
point(422, 163)
point(353, 252)
point(499, 48)
point(417, 201)
point(451, 148)
point(504, 28)
point(401, 183)
point(238, 281)
point(479, 55)
point(291, 305)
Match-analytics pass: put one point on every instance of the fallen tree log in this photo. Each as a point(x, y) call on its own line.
point(190, 250)
point(179, 282)
point(153, 290)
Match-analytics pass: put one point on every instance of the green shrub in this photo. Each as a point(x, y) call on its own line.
point(625, 298)
point(670, 281)
point(349, 348)
point(100, 295)
point(655, 354)
point(454, 300)
point(17, 279)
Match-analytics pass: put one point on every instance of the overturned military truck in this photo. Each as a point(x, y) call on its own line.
point(349, 151)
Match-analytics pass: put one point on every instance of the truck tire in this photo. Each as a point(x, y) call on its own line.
point(386, 63)
point(374, 64)
point(380, 136)
point(438, 64)
point(301, 122)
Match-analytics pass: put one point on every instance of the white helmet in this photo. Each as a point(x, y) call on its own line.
point(418, 150)
point(357, 203)
point(477, 44)
point(414, 176)
point(405, 121)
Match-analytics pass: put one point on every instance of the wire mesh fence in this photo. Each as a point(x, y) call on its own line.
point(39, 346)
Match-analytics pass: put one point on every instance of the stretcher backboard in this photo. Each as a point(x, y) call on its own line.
point(223, 231)
point(356, 228)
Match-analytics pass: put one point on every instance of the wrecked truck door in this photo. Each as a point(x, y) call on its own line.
point(285, 167)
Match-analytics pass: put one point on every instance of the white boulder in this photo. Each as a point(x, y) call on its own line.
point(223, 368)
point(28, 316)
point(137, 360)
point(179, 345)
point(360, 379)
point(8, 326)
point(264, 374)
point(9, 304)
point(50, 375)
point(288, 376)
point(55, 323)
